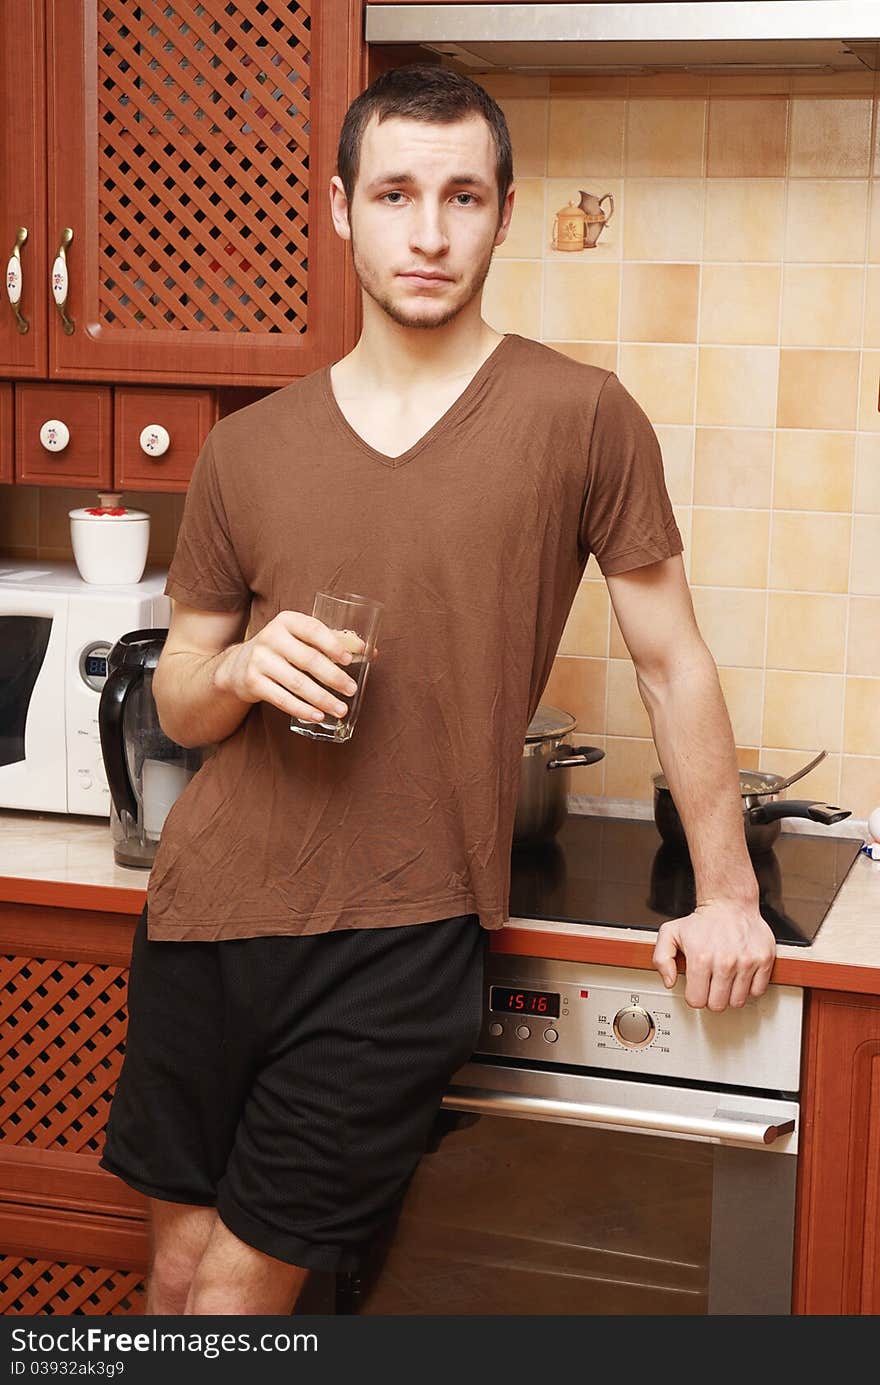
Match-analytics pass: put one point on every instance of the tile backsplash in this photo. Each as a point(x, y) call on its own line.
point(735, 290)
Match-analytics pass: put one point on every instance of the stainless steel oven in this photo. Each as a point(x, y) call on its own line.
point(607, 1150)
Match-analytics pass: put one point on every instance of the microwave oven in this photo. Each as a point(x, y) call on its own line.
point(55, 634)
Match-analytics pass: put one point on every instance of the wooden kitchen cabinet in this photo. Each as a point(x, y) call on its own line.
point(158, 435)
point(6, 434)
point(181, 153)
point(86, 413)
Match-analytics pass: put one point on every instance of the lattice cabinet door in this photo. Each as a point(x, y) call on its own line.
point(24, 304)
point(192, 144)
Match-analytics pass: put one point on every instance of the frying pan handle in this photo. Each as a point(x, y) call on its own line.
point(576, 755)
point(797, 808)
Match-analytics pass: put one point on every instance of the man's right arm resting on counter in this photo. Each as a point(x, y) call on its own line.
point(209, 676)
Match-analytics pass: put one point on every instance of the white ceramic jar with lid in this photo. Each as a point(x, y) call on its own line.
point(110, 541)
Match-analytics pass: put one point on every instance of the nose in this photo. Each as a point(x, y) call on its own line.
point(427, 232)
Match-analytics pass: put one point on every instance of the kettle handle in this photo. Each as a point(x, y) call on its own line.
point(110, 712)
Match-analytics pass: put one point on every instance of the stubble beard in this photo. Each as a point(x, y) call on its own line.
point(419, 315)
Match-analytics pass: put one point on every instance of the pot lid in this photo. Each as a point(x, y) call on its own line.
point(108, 510)
point(549, 721)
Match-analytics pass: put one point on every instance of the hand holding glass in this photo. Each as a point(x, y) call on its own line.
point(356, 619)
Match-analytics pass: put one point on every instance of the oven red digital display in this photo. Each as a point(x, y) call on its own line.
point(515, 1002)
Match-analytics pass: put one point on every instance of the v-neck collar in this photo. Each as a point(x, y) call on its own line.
point(441, 424)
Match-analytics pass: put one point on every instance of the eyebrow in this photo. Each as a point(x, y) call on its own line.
point(470, 180)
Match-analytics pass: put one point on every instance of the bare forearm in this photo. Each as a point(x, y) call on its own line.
point(696, 748)
point(194, 705)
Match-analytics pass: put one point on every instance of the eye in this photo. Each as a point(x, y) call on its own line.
point(391, 194)
point(466, 194)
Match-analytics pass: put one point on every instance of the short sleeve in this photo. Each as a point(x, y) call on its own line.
point(626, 517)
point(205, 571)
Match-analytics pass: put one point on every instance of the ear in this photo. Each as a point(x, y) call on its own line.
point(506, 214)
point(339, 208)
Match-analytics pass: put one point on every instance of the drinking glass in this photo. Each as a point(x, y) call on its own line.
point(357, 619)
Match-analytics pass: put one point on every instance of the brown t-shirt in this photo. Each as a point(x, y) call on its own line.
point(475, 539)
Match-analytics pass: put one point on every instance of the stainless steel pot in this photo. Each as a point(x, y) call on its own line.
point(763, 810)
point(544, 783)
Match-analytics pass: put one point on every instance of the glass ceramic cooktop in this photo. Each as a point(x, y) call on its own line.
point(619, 873)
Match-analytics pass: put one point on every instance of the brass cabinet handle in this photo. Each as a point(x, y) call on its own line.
point(60, 281)
point(15, 280)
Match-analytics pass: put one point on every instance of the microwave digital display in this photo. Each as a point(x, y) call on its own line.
point(96, 666)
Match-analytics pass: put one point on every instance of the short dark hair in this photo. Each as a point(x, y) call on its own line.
point(421, 92)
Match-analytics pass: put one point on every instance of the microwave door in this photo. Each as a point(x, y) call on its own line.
point(33, 747)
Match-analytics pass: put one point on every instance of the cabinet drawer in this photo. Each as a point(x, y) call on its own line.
point(143, 419)
point(86, 412)
point(6, 470)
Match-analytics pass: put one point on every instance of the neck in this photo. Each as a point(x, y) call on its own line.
point(392, 357)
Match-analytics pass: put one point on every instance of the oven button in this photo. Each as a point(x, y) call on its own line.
point(634, 1027)
point(523, 1031)
point(496, 1029)
point(551, 1035)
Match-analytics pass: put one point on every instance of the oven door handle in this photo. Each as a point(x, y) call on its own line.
point(740, 1127)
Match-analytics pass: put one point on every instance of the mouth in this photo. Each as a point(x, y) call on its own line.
point(426, 279)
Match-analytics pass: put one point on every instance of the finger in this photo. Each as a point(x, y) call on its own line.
point(698, 974)
point(761, 978)
point(665, 950)
point(313, 632)
point(310, 660)
point(742, 985)
point(279, 674)
point(722, 977)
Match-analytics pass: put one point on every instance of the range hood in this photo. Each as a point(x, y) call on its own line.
point(799, 36)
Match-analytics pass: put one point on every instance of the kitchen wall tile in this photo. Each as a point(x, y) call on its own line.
point(665, 137)
point(874, 220)
point(802, 710)
point(822, 306)
point(859, 785)
point(587, 84)
point(627, 715)
point(19, 518)
point(577, 686)
point(818, 389)
point(581, 301)
point(814, 470)
point(843, 83)
point(830, 137)
point(525, 238)
point(861, 727)
point(668, 84)
point(733, 466)
point(866, 498)
point(731, 622)
point(729, 548)
point(683, 515)
point(512, 297)
point(617, 644)
point(677, 447)
point(871, 331)
point(747, 137)
point(826, 221)
point(586, 629)
point(660, 302)
point(865, 576)
point(662, 378)
point(747, 756)
point(822, 783)
point(585, 132)
point(663, 219)
point(524, 101)
point(737, 385)
point(742, 695)
point(561, 192)
point(806, 632)
point(599, 353)
point(745, 219)
point(810, 552)
point(863, 640)
point(869, 416)
point(629, 766)
point(748, 84)
point(739, 304)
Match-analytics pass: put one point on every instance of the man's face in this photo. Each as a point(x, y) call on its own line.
point(426, 200)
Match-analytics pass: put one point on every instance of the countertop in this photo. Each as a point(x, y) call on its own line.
point(67, 861)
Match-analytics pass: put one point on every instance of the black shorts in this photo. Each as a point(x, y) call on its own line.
point(292, 1082)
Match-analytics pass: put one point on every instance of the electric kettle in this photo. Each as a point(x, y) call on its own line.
point(146, 771)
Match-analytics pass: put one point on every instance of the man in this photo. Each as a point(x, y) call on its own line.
point(308, 973)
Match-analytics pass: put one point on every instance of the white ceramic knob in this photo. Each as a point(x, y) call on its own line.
point(54, 435)
point(155, 440)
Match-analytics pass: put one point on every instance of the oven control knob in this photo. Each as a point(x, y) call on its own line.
point(550, 1036)
point(634, 1027)
point(523, 1031)
point(496, 1029)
